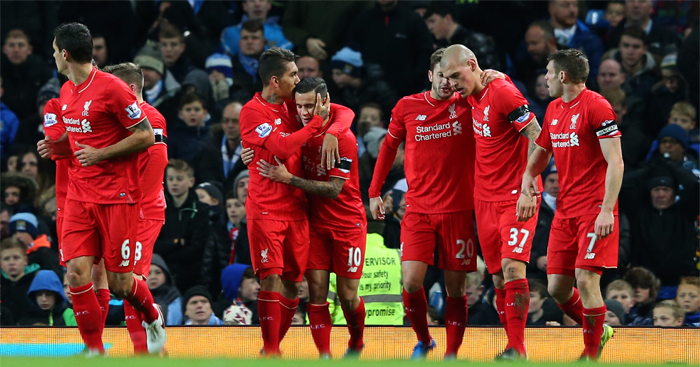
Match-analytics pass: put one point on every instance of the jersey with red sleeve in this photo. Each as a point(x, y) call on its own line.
point(152, 163)
point(54, 128)
point(439, 162)
point(571, 131)
point(347, 210)
point(271, 131)
point(499, 113)
point(98, 113)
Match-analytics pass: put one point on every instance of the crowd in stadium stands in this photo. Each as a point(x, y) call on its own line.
point(200, 65)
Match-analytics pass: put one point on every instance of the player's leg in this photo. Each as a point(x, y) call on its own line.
point(561, 261)
point(457, 249)
point(296, 257)
point(99, 280)
point(348, 262)
point(265, 239)
point(317, 276)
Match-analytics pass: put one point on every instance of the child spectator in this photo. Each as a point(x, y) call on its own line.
point(197, 307)
point(615, 13)
point(542, 311)
point(668, 314)
point(164, 292)
point(237, 225)
point(240, 185)
point(433, 316)
point(688, 297)
point(622, 292)
point(615, 315)
point(241, 289)
point(189, 134)
point(24, 227)
point(646, 288)
point(220, 71)
point(17, 276)
point(683, 114)
point(49, 306)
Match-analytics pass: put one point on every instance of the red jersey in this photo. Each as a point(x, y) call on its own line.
point(347, 210)
point(571, 131)
point(98, 113)
point(499, 113)
point(439, 154)
point(152, 163)
point(54, 128)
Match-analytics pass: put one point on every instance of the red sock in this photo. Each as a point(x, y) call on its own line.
point(356, 326)
point(593, 319)
point(517, 306)
point(288, 307)
point(574, 308)
point(141, 299)
point(416, 307)
point(269, 314)
point(455, 322)
point(320, 323)
point(136, 332)
point(88, 316)
point(103, 300)
point(501, 307)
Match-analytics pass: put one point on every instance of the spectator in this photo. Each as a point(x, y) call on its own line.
point(172, 45)
point(673, 143)
point(100, 50)
point(165, 294)
point(220, 71)
point(646, 288)
point(238, 315)
point(48, 304)
point(398, 40)
point(637, 63)
point(217, 250)
point(240, 185)
point(474, 290)
point(183, 236)
point(18, 192)
point(4, 221)
point(197, 307)
point(189, 134)
point(245, 62)
point(41, 171)
point(610, 76)
point(22, 73)
point(255, 10)
point(359, 83)
point(31, 129)
point(615, 13)
point(541, 43)
point(159, 84)
point(573, 33)
point(537, 268)
point(635, 144)
point(684, 114)
point(615, 314)
point(622, 292)
point(688, 297)
point(309, 67)
point(670, 90)
point(540, 96)
point(442, 19)
point(9, 127)
point(17, 276)
point(394, 209)
point(370, 116)
point(24, 227)
point(241, 289)
point(668, 314)
point(237, 227)
point(638, 14)
point(487, 314)
point(373, 140)
point(541, 311)
point(37, 18)
point(318, 28)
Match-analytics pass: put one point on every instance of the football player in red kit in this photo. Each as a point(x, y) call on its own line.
point(503, 128)
point(337, 220)
point(580, 129)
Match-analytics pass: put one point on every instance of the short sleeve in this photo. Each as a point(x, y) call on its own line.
point(397, 126)
point(603, 119)
point(515, 106)
point(347, 147)
point(53, 123)
point(544, 140)
point(255, 126)
point(123, 103)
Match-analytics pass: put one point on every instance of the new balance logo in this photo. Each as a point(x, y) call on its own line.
point(352, 269)
point(421, 117)
point(124, 263)
point(554, 122)
point(518, 250)
point(589, 256)
point(263, 255)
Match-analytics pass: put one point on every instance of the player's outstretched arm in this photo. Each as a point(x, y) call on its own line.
point(531, 132)
point(526, 206)
point(141, 138)
point(330, 189)
point(612, 152)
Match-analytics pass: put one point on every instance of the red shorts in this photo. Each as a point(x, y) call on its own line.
point(59, 234)
point(148, 232)
point(279, 247)
point(338, 250)
point(105, 231)
point(453, 233)
point(573, 244)
point(501, 236)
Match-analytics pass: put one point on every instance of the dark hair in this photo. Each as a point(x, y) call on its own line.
point(436, 57)
point(546, 27)
point(635, 32)
point(273, 62)
point(129, 72)
point(536, 286)
point(375, 106)
point(442, 8)
point(644, 278)
point(17, 33)
point(192, 97)
point(231, 194)
point(170, 31)
point(253, 26)
point(248, 273)
point(76, 39)
point(573, 62)
point(616, 96)
point(317, 85)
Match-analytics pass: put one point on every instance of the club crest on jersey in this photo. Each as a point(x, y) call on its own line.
point(86, 108)
point(486, 112)
point(453, 114)
point(50, 119)
point(263, 255)
point(263, 130)
point(574, 119)
point(133, 110)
